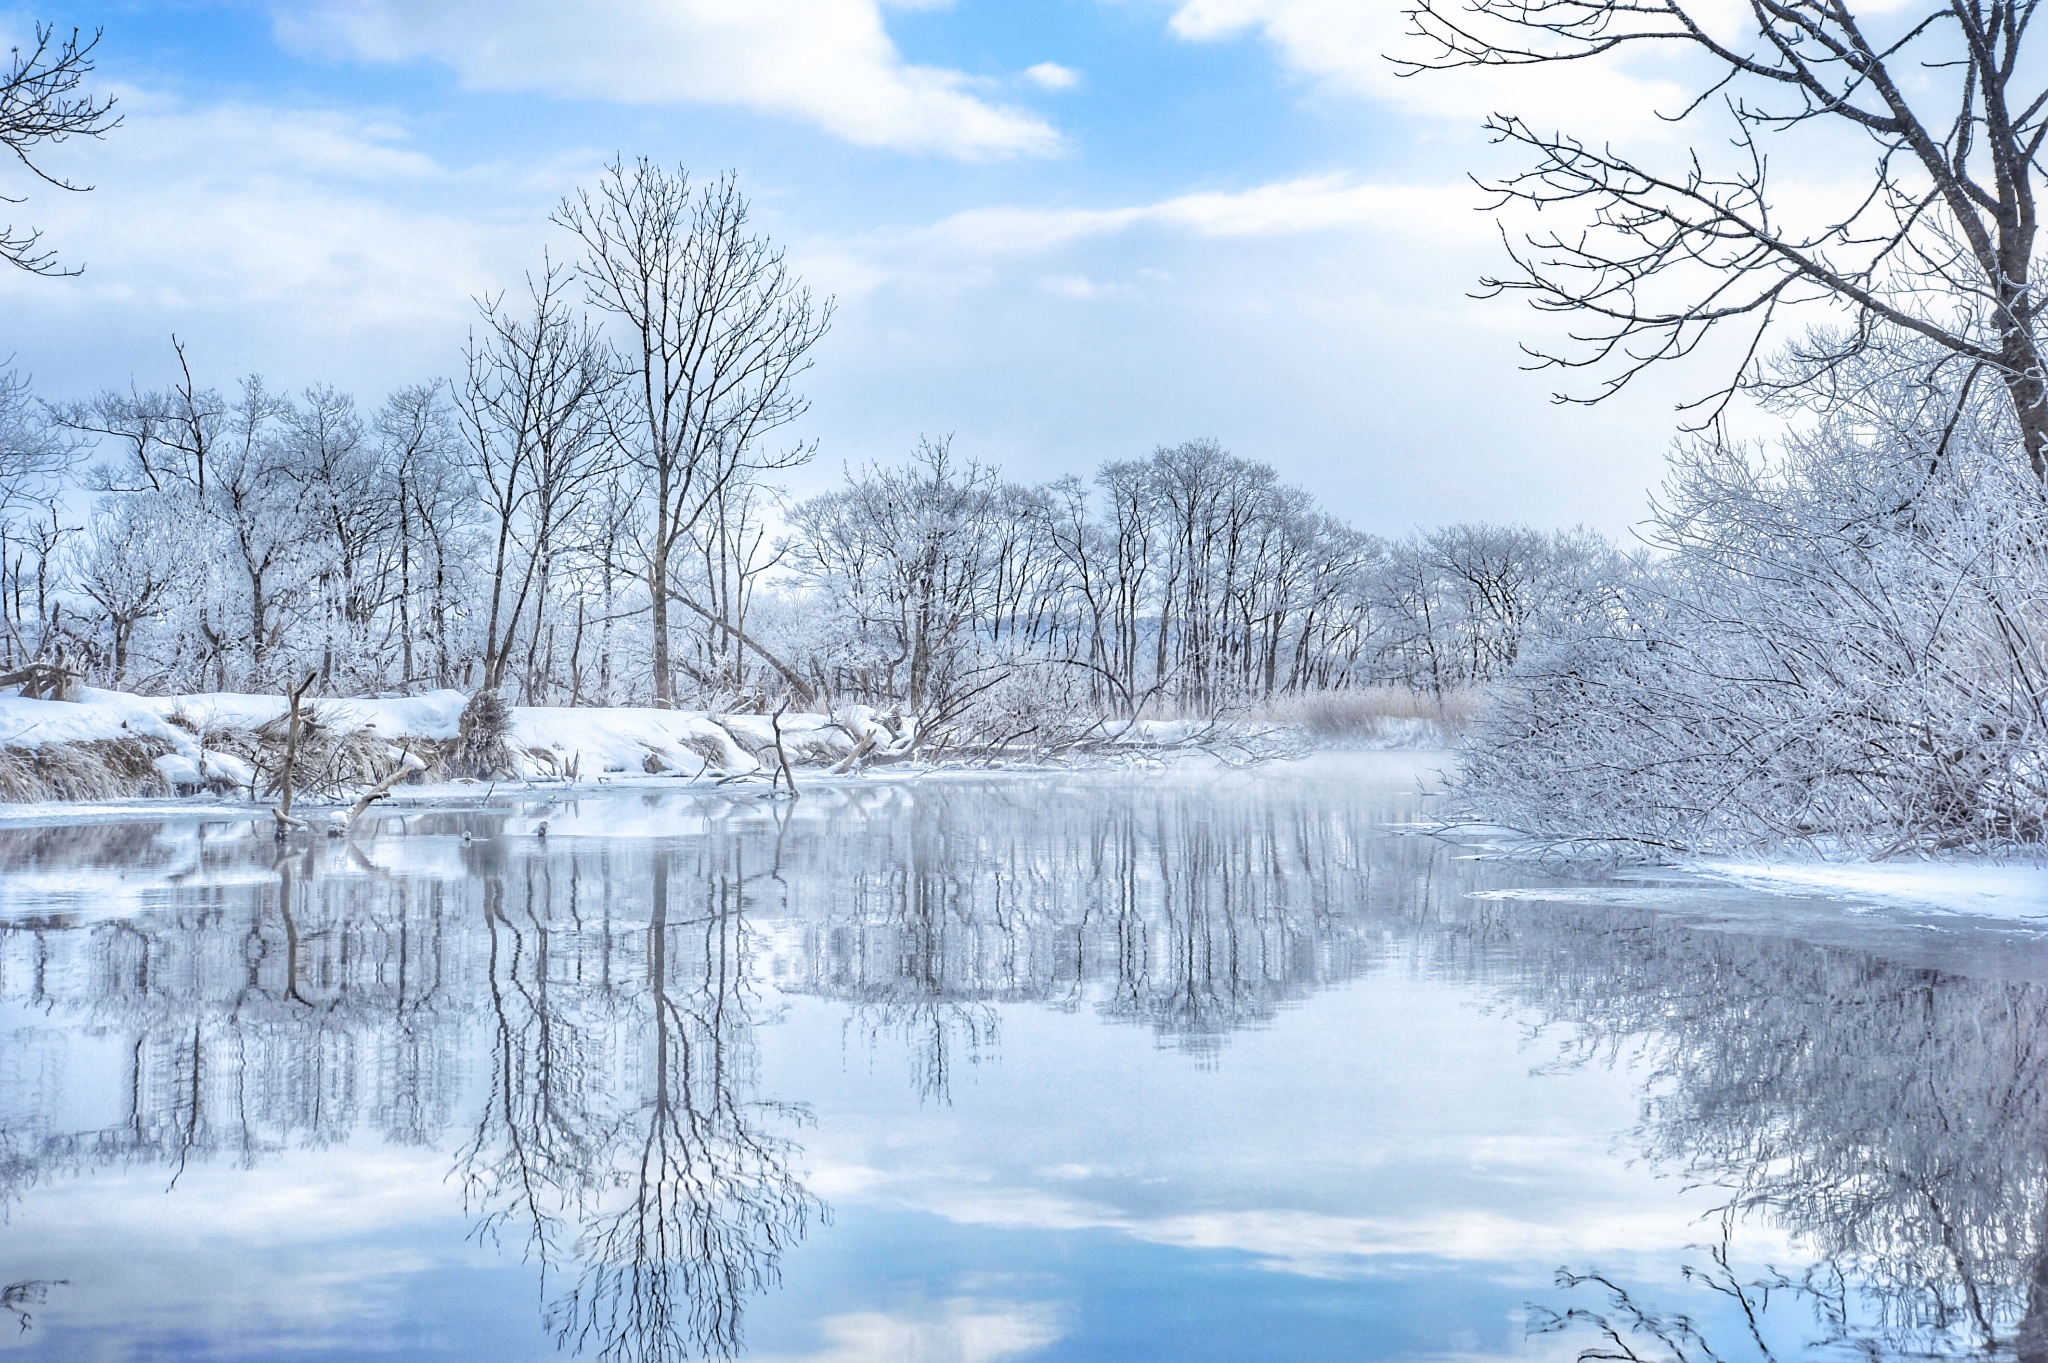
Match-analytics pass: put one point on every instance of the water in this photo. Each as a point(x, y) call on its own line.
point(963, 1071)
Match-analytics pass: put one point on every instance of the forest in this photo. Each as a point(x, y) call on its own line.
point(590, 514)
point(1832, 637)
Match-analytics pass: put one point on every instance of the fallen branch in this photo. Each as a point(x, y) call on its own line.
point(800, 688)
point(381, 789)
point(851, 762)
point(43, 681)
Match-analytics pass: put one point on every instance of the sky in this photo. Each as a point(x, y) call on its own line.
point(1061, 232)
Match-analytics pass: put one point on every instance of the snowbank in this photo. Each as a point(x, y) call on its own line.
point(1980, 888)
point(548, 742)
point(109, 744)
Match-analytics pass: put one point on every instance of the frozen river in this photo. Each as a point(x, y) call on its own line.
point(1111, 1067)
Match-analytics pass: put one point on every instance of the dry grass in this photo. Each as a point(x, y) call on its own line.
point(97, 769)
point(483, 749)
point(1373, 712)
point(333, 763)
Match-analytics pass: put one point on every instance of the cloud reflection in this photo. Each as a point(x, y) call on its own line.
point(1248, 1023)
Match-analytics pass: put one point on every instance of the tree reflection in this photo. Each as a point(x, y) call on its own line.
point(704, 1203)
point(575, 1022)
point(665, 1197)
point(1164, 907)
point(17, 1298)
point(1893, 1117)
point(267, 1003)
point(609, 1127)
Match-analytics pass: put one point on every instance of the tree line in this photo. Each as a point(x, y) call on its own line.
point(588, 513)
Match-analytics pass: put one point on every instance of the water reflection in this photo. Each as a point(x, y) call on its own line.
point(573, 1023)
point(265, 1003)
point(1893, 1116)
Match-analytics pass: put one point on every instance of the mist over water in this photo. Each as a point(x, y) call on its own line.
point(1119, 1065)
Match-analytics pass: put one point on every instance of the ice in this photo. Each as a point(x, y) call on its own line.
point(1986, 889)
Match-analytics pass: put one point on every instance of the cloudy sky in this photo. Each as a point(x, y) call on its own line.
point(1063, 231)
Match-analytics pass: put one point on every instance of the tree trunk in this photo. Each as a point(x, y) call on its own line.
point(2029, 392)
point(657, 586)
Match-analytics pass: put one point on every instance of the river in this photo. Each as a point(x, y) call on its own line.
point(1125, 1065)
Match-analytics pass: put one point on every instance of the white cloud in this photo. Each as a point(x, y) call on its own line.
point(962, 249)
point(830, 62)
point(1320, 1244)
point(299, 242)
point(1345, 45)
point(1284, 208)
point(1078, 286)
point(1052, 76)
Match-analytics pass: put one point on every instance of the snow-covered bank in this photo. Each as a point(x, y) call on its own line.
point(1984, 889)
point(109, 745)
point(213, 741)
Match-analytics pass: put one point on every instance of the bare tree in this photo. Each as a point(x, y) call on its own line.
point(732, 555)
point(904, 559)
point(41, 104)
point(717, 330)
point(1938, 240)
point(35, 450)
point(131, 565)
point(355, 521)
point(534, 414)
point(435, 509)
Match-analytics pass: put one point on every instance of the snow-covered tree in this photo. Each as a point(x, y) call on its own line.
point(1844, 643)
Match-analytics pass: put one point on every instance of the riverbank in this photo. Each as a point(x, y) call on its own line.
point(229, 748)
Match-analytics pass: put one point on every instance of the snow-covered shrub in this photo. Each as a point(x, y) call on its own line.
point(1846, 644)
point(481, 749)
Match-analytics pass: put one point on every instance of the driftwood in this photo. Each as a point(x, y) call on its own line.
point(382, 788)
point(43, 681)
point(283, 812)
point(781, 755)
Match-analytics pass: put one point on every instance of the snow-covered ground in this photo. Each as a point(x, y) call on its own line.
point(588, 745)
point(543, 743)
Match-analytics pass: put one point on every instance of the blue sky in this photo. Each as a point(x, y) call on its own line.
point(1063, 231)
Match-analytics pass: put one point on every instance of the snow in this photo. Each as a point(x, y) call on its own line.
point(621, 739)
point(545, 743)
point(436, 715)
point(179, 770)
point(98, 714)
point(95, 715)
point(1986, 889)
point(561, 745)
